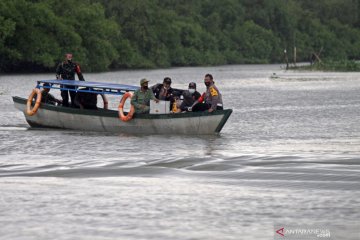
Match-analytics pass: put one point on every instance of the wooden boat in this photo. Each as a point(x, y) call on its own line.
point(106, 120)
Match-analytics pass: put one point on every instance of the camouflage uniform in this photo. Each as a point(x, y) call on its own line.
point(142, 98)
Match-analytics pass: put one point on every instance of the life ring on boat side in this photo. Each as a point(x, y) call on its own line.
point(31, 111)
point(130, 114)
point(105, 100)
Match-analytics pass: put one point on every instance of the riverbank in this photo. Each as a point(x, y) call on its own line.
point(331, 66)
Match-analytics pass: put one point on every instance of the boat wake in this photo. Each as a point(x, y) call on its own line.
point(264, 171)
point(14, 128)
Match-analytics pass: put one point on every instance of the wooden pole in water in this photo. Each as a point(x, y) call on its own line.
point(294, 49)
point(286, 59)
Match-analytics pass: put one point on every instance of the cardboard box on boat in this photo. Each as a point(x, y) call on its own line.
point(162, 107)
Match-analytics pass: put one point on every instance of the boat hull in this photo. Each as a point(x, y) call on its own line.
point(102, 120)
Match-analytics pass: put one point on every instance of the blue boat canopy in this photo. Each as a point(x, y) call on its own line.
point(84, 86)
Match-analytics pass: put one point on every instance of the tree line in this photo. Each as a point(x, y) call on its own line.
point(117, 34)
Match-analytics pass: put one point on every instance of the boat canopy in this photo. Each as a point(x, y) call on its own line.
point(85, 86)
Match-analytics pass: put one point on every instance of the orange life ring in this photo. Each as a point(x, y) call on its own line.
point(31, 111)
point(130, 114)
point(105, 100)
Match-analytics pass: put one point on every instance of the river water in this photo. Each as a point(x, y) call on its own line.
point(289, 156)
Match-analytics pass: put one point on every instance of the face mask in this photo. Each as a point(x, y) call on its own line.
point(191, 90)
point(207, 84)
point(145, 87)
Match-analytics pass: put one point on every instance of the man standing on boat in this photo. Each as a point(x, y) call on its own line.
point(66, 71)
point(212, 97)
point(141, 98)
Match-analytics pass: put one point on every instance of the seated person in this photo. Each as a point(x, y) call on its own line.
point(175, 107)
point(86, 100)
point(141, 98)
point(211, 100)
point(48, 98)
point(163, 91)
point(190, 97)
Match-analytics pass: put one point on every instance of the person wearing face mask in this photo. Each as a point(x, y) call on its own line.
point(141, 98)
point(66, 71)
point(190, 97)
point(212, 97)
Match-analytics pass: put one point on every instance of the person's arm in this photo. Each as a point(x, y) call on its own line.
point(156, 89)
point(199, 100)
point(197, 95)
point(78, 72)
point(51, 98)
point(134, 101)
point(152, 97)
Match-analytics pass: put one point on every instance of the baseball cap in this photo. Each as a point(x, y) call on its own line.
point(144, 80)
point(167, 80)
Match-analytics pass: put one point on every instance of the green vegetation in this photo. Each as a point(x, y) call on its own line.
point(114, 34)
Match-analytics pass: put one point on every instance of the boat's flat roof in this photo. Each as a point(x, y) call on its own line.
point(113, 86)
point(93, 87)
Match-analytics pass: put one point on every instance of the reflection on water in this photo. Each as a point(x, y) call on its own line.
point(288, 154)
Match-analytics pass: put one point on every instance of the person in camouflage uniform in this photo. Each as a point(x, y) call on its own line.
point(66, 71)
point(141, 98)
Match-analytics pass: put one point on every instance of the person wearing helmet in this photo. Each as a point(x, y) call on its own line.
point(66, 71)
point(190, 97)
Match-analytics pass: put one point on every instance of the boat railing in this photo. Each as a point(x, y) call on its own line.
point(85, 86)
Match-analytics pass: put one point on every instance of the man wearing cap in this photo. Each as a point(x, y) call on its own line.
point(212, 97)
point(190, 97)
point(163, 91)
point(141, 98)
point(66, 71)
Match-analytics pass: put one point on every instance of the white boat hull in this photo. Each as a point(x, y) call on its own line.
point(107, 120)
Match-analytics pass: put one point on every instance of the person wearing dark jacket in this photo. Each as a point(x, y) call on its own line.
point(86, 100)
point(190, 97)
point(47, 97)
point(163, 91)
point(66, 71)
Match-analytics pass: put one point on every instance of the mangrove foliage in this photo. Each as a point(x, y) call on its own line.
point(118, 34)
